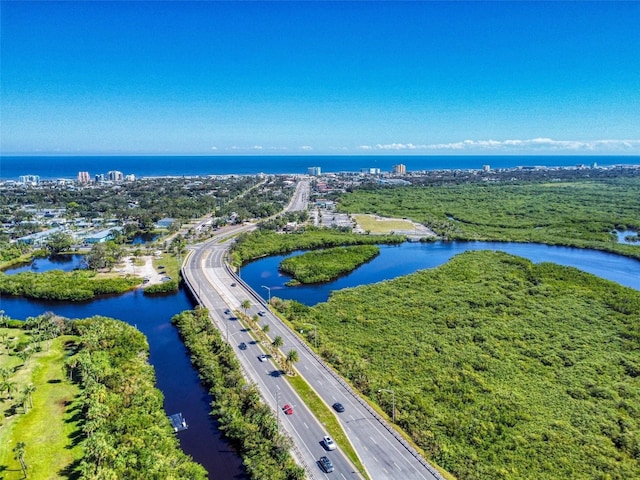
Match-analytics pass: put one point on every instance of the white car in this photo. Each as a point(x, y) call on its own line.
point(263, 358)
point(329, 444)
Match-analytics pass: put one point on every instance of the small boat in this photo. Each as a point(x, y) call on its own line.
point(178, 422)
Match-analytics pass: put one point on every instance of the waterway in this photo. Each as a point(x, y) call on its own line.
point(175, 376)
point(180, 383)
point(398, 260)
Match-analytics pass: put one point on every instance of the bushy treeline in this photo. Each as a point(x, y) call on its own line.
point(326, 265)
point(500, 368)
point(242, 416)
point(126, 431)
point(160, 288)
point(575, 213)
point(262, 243)
point(73, 286)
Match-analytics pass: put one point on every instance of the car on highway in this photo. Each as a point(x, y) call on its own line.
point(328, 443)
point(262, 313)
point(288, 409)
point(338, 407)
point(263, 358)
point(233, 284)
point(227, 311)
point(326, 464)
point(242, 346)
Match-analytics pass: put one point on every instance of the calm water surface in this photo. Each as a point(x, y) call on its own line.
point(398, 260)
point(180, 383)
point(59, 262)
point(175, 376)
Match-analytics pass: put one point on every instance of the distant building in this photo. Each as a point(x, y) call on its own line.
point(32, 179)
point(165, 222)
point(115, 176)
point(486, 168)
point(371, 171)
point(83, 177)
point(400, 169)
point(315, 171)
point(130, 178)
point(38, 239)
point(99, 178)
point(103, 235)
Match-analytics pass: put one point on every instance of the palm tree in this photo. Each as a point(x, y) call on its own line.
point(19, 451)
point(9, 387)
point(292, 357)
point(266, 329)
point(277, 342)
point(28, 392)
point(5, 373)
point(246, 305)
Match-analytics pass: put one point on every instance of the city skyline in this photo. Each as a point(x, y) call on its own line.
point(320, 78)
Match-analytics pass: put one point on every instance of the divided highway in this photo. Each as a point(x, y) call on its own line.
point(383, 452)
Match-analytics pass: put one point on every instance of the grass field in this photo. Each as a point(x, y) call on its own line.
point(379, 225)
point(50, 427)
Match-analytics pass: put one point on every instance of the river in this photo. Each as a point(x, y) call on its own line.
point(398, 260)
point(175, 376)
point(179, 381)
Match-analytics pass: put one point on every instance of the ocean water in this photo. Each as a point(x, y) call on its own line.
point(58, 167)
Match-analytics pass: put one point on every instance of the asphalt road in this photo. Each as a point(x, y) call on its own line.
point(380, 448)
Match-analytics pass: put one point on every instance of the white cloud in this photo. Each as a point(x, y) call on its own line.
point(306, 147)
point(518, 145)
point(214, 148)
point(257, 147)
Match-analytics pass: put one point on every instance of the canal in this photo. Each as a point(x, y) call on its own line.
point(179, 382)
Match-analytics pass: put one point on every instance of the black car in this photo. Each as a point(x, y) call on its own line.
point(338, 407)
point(242, 346)
point(326, 464)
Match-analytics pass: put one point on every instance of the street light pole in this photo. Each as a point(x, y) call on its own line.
point(269, 290)
point(393, 403)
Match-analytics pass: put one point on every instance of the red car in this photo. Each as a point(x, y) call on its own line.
point(288, 409)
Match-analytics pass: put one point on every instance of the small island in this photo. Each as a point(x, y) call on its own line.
point(328, 264)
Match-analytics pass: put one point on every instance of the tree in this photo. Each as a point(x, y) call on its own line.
point(9, 386)
point(28, 392)
point(58, 242)
point(19, 451)
point(292, 357)
point(245, 305)
point(277, 342)
point(266, 328)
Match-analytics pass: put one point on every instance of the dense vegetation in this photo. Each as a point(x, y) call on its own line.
point(127, 434)
point(262, 243)
point(500, 368)
point(576, 213)
point(242, 416)
point(73, 286)
point(326, 265)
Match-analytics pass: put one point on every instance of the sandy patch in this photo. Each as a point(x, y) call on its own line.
point(145, 271)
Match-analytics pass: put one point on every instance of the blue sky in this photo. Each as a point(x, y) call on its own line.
point(320, 77)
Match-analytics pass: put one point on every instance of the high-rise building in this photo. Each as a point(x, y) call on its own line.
point(399, 169)
point(83, 177)
point(115, 176)
point(99, 177)
point(32, 179)
point(315, 171)
point(486, 168)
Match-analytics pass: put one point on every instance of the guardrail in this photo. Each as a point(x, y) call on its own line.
point(345, 385)
point(309, 472)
